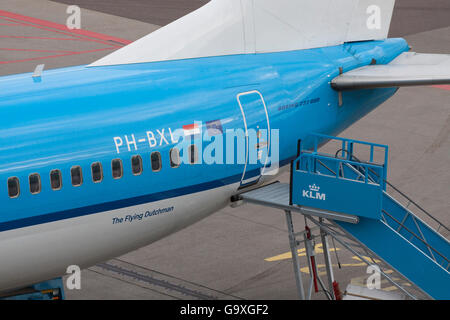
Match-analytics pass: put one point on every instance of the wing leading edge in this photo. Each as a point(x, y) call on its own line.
point(408, 69)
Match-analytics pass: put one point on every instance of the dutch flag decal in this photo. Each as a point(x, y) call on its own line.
point(191, 130)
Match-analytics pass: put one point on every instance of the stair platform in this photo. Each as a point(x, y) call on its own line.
point(276, 195)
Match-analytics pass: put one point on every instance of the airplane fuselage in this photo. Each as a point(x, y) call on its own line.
point(75, 117)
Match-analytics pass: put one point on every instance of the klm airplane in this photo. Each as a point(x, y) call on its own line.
point(90, 162)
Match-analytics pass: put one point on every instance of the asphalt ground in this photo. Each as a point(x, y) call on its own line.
point(240, 253)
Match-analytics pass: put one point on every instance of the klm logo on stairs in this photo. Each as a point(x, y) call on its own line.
point(313, 193)
point(390, 230)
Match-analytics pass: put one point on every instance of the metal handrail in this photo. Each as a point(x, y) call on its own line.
point(419, 207)
point(334, 173)
point(350, 143)
point(401, 225)
point(414, 218)
point(317, 157)
point(412, 201)
point(440, 224)
point(418, 238)
point(355, 163)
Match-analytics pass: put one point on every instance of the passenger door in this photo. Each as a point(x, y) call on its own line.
point(257, 136)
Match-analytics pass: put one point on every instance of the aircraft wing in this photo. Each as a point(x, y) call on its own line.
point(408, 69)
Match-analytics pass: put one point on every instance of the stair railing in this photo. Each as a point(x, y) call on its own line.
point(360, 172)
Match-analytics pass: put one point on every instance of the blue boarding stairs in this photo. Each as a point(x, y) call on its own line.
point(47, 290)
point(406, 243)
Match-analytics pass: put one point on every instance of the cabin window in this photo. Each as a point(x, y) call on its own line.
point(175, 158)
point(35, 183)
point(117, 168)
point(56, 179)
point(77, 176)
point(136, 165)
point(13, 187)
point(156, 161)
point(97, 172)
point(193, 154)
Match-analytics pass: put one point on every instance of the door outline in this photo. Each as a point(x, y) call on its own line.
point(247, 183)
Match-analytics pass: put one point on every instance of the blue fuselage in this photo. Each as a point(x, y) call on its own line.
point(71, 116)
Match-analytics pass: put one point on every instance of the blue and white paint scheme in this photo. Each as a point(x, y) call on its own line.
point(281, 56)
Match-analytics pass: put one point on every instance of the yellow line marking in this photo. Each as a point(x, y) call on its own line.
point(368, 259)
point(320, 266)
point(300, 253)
point(356, 281)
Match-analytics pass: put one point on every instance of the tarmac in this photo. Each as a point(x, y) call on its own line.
point(239, 253)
